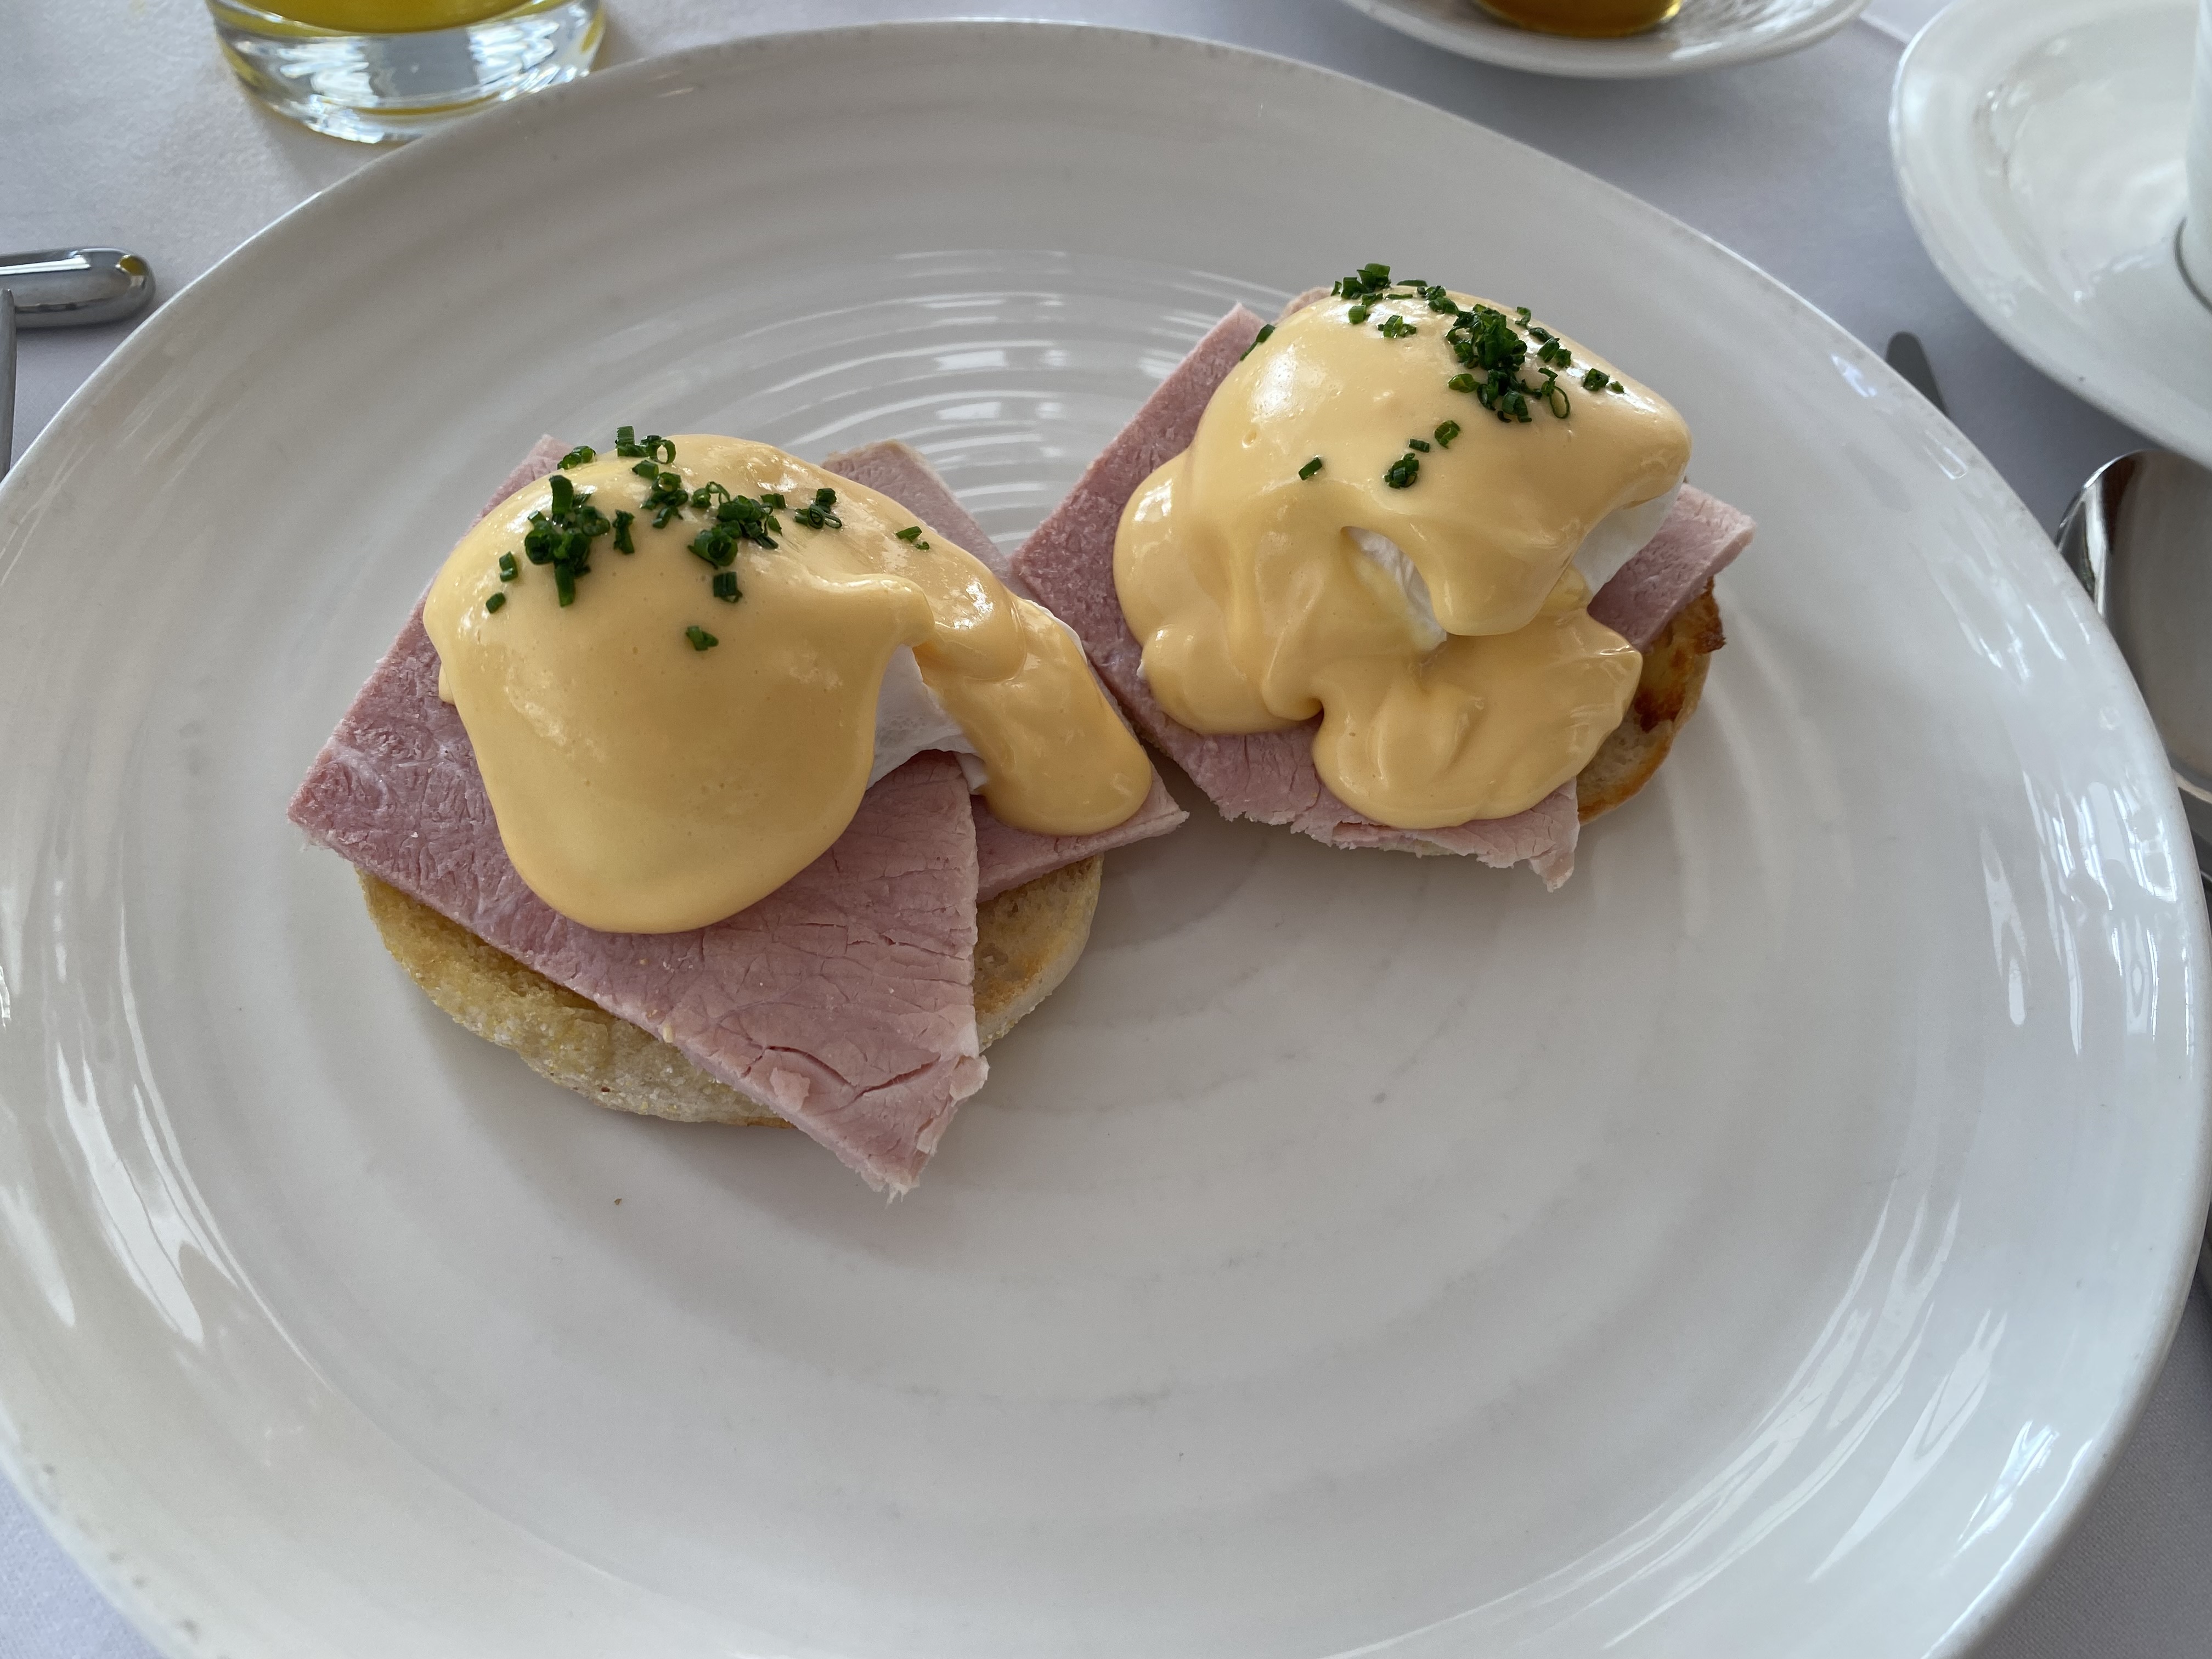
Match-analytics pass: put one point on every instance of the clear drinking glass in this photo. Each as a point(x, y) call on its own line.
point(378, 71)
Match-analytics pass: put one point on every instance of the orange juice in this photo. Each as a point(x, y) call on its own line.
point(1593, 18)
point(388, 16)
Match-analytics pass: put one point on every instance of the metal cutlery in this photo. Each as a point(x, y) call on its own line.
point(62, 287)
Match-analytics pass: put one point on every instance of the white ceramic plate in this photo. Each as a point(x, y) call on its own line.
point(1704, 35)
point(2039, 145)
point(1758, 1247)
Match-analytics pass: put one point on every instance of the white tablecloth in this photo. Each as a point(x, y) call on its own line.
point(119, 124)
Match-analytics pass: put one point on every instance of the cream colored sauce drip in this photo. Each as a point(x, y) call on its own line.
point(642, 786)
point(1256, 609)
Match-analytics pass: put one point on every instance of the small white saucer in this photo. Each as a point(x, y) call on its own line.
point(2038, 146)
point(1704, 35)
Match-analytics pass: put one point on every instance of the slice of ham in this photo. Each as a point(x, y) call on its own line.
point(1005, 857)
point(1269, 775)
point(904, 473)
point(1701, 538)
point(1068, 563)
point(843, 999)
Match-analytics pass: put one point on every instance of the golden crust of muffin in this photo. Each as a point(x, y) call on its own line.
point(1667, 694)
point(1026, 942)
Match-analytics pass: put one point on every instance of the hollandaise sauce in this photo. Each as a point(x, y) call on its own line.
point(1377, 524)
point(668, 660)
point(1592, 19)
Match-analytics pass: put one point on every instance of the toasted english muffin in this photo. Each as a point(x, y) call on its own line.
point(1027, 939)
point(1667, 694)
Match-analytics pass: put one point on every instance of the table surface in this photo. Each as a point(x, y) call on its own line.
point(120, 125)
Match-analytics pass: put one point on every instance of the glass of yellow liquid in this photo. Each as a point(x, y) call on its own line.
point(378, 71)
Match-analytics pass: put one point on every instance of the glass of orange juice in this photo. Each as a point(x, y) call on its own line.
point(379, 71)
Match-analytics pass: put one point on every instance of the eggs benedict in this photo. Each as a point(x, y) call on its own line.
point(1339, 542)
point(1414, 565)
point(725, 788)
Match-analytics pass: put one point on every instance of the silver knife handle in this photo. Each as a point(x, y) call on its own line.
point(75, 287)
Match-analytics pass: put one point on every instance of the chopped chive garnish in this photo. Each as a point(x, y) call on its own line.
point(1367, 280)
point(1446, 433)
point(646, 469)
point(623, 522)
point(667, 498)
point(494, 603)
point(700, 638)
point(773, 500)
point(1460, 383)
point(739, 520)
point(913, 533)
point(709, 493)
point(1358, 315)
point(660, 448)
point(1594, 380)
point(1421, 444)
point(1258, 340)
point(578, 456)
point(560, 534)
point(1402, 472)
point(1395, 327)
point(725, 586)
point(821, 514)
point(1311, 468)
point(1616, 386)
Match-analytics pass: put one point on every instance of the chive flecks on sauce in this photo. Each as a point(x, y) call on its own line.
point(494, 603)
point(578, 456)
point(1493, 348)
point(623, 522)
point(725, 586)
point(1311, 468)
point(508, 569)
point(739, 520)
point(653, 447)
point(561, 535)
point(700, 638)
point(667, 498)
point(913, 533)
point(1267, 332)
point(1421, 444)
point(821, 513)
